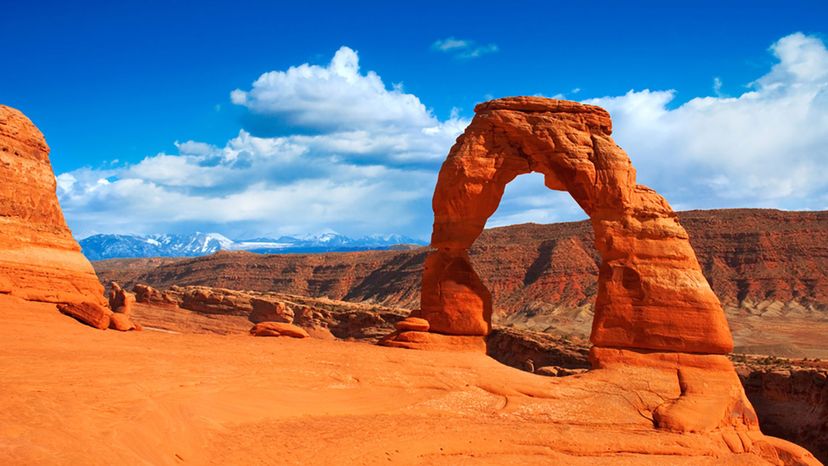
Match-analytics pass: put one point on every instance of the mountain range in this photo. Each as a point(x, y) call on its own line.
point(111, 246)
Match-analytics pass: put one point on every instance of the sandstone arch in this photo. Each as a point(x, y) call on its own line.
point(651, 293)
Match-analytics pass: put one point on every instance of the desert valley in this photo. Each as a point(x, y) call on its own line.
point(506, 377)
point(414, 233)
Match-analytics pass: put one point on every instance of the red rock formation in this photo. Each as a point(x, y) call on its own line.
point(270, 310)
point(39, 259)
point(88, 313)
point(120, 300)
point(278, 329)
point(149, 295)
point(651, 292)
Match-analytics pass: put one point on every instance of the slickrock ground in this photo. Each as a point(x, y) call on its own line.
point(790, 396)
point(162, 398)
point(769, 268)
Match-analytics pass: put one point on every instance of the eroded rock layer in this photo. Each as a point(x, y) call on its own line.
point(39, 259)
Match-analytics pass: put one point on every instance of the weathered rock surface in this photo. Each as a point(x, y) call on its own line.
point(414, 324)
point(149, 295)
point(320, 317)
point(791, 399)
point(39, 259)
point(120, 300)
point(216, 301)
point(88, 313)
point(515, 347)
point(374, 405)
point(270, 310)
point(278, 329)
point(549, 354)
point(121, 322)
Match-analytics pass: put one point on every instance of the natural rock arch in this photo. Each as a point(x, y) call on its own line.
point(651, 291)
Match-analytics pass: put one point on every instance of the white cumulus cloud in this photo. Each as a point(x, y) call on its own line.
point(337, 96)
point(369, 167)
point(765, 147)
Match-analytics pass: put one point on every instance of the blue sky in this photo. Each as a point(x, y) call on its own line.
point(135, 101)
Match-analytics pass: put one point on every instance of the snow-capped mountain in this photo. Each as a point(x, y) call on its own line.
point(105, 246)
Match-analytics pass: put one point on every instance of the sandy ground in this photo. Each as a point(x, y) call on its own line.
point(75, 395)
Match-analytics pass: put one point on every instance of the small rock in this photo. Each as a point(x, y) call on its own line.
point(414, 324)
point(90, 314)
point(278, 329)
point(121, 322)
point(548, 371)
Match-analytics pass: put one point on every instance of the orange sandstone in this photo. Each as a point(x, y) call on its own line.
point(278, 329)
point(39, 259)
point(651, 291)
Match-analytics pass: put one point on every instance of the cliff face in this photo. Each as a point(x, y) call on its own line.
point(39, 259)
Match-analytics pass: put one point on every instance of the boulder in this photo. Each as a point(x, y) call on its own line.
point(89, 313)
point(120, 300)
point(278, 329)
point(413, 323)
point(121, 322)
point(265, 309)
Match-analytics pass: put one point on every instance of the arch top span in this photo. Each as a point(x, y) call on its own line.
point(651, 292)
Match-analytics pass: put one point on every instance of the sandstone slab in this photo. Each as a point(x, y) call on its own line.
point(278, 329)
point(91, 314)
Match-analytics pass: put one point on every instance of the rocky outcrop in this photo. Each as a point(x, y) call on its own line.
point(39, 259)
point(791, 400)
point(270, 310)
point(120, 300)
point(320, 317)
point(149, 295)
point(88, 313)
point(651, 292)
point(525, 349)
point(216, 301)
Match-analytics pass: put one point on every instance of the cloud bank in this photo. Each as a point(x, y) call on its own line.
point(361, 157)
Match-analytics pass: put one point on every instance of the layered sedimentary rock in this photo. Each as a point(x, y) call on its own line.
point(656, 318)
point(651, 291)
point(229, 309)
point(278, 329)
point(39, 259)
point(120, 300)
point(761, 262)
